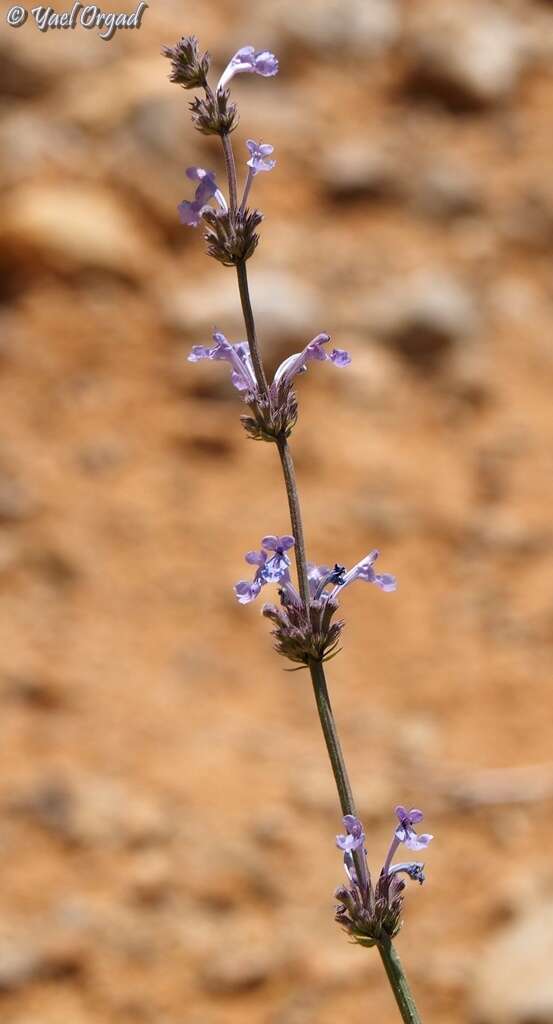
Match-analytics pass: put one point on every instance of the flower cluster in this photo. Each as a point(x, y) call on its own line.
point(272, 567)
point(367, 911)
point(303, 633)
point(273, 415)
point(230, 234)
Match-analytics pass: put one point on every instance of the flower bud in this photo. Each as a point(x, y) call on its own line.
point(188, 67)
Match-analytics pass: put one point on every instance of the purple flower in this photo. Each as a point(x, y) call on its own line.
point(354, 840)
point(259, 151)
point(355, 837)
point(250, 60)
point(272, 567)
point(243, 376)
point(238, 356)
point(363, 570)
point(297, 363)
point(405, 832)
point(190, 211)
point(366, 910)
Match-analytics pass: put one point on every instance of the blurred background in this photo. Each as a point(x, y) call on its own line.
point(168, 814)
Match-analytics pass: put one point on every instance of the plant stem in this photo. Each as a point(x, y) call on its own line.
point(332, 741)
point(398, 982)
point(229, 159)
point(251, 334)
point(289, 473)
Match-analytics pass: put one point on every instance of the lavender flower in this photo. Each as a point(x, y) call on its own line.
point(258, 162)
point(250, 60)
point(239, 356)
point(306, 634)
point(405, 831)
point(271, 568)
point(297, 363)
point(364, 910)
point(190, 212)
point(356, 869)
point(259, 151)
point(273, 416)
point(363, 570)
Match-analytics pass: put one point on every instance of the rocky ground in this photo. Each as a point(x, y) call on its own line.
point(168, 816)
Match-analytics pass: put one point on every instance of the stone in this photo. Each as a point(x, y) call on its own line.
point(363, 27)
point(512, 981)
point(92, 811)
point(150, 878)
point(286, 309)
point(424, 316)
point(465, 54)
point(20, 963)
point(355, 169)
point(16, 503)
point(41, 692)
point(233, 970)
point(446, 191)
point(20, 78)
point(528, 223)
point(32, 952)
point(69, 226)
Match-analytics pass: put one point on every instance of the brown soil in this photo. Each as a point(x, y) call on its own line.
point(167, 835)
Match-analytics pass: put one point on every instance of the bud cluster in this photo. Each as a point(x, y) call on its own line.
point(189, 68)
point(231, 237)
point(274, 416)
point(302, 635)
point(214, 114)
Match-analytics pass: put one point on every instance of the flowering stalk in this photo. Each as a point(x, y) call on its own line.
point(305, 631)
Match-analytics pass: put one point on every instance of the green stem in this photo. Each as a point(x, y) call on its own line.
point(251, 333)
point(398, 982)
point(330, 734)
point(289, 474)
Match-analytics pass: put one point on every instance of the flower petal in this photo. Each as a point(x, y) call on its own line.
point(415, 815)
point(340, 357)
point(385, 581)
point(246, 592)
point(270, 542)
point(199, 352)
point(415, 842)
point(255, 557)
